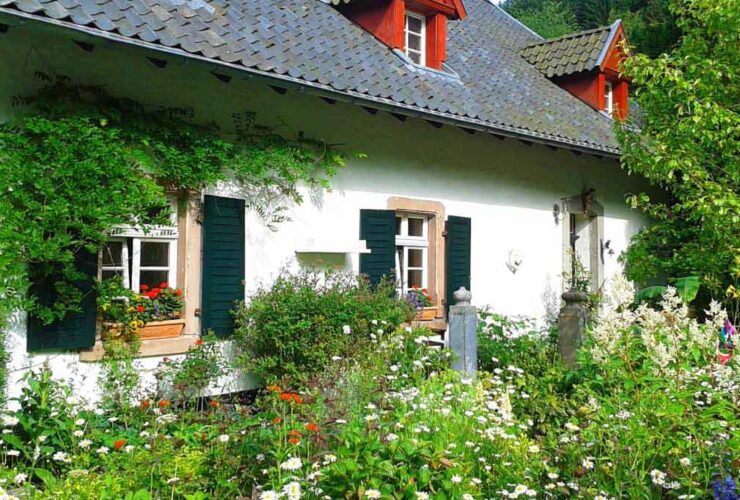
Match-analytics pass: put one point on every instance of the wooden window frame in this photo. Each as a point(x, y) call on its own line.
point(422, 35)
point(608, 97)
point(406, 242)
point(436, 216)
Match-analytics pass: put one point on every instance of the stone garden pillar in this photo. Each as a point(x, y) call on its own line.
point(572, 325)
point(463, 321)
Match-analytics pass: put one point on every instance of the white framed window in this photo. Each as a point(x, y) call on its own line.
point(142, 257)
point(608, 98)
point(415, 27)
point(412, 252)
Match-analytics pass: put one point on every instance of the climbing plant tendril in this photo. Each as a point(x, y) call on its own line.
point(78, 161)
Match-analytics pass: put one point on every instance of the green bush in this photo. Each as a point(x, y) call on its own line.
point(294, 328)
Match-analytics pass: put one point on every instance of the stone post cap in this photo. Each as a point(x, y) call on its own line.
point(462, 296)
point(575, 296)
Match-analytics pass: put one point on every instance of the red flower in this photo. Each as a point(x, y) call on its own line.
point(276, 420)
point(213, 403)
point(424, 290)
point(199, 342)
point(164, 284)
point(297, 399)
point(163, 403)
point(119, 444)
point(144, 404)
point(140, 308)
point(312, 427)
point(294, 433)
point(294, 441)
point(165, 360)
point(178, 292)
point(286, 396)
point(143, 288)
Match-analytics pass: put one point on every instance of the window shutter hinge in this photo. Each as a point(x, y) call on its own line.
point(444, 233)
point(196, 313)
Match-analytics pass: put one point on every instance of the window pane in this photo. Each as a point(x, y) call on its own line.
point(399, 220)
point(416, 257)
point(112, 254)
point(413, 24)
point(416, 227)
point(415, 57)
point(414, 42)
point(152, 279)
point(414, 278)
point(154, 254)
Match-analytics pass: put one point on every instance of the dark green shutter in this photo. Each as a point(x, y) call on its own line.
point(378, 229)
point(457, 256)
point(76, 330)
point(223, 263)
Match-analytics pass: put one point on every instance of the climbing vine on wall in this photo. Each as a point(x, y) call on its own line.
point(78, 161)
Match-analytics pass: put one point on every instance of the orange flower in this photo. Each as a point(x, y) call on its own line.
point(276, 420)
point(294, 440)
point(163, 403)
point(119, 444)
point(297, 399)
point(199, 342)
point(213, 403)
point(286, 396)
point(178, 292)
point(294, 433)
point(274, 388)
point(144, 404)
point(312, 427)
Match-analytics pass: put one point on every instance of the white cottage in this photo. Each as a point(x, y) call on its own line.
point(488, 149)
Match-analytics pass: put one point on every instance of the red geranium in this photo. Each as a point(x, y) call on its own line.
point(164, 284)
point(199, 342)
point(140, 308)
point(119, 444)
point(143, 288)
point(178, 292)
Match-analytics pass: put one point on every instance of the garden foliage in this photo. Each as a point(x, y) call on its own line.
point(649, 413)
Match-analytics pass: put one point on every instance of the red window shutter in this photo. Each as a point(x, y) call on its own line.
point(436, 40)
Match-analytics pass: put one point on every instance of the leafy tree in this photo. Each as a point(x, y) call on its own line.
point(551, 19)
point(650, 25)
point(688, 146)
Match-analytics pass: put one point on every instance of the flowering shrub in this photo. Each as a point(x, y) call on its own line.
point(295, 327)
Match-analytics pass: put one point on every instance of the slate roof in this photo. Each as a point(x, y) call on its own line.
point(489, 86)
point(572, 53)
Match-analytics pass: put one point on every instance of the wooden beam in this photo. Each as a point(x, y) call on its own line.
point(86, 46)
point(434, 124)
point(399, 117)
point(222, 77)
point(329, 100)
point(372, 111)
point(160, 63)
point(279, 90)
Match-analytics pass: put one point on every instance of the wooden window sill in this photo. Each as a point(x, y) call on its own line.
point(436, 325)
point(149, 347)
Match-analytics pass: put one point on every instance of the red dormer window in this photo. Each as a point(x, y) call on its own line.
point(418, 28)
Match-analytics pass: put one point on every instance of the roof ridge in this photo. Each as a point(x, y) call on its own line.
point(572, 35)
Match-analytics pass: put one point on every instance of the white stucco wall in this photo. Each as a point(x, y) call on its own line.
point(507, 188)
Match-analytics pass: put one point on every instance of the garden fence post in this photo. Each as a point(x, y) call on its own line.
point(571, 326)
point(463, 325)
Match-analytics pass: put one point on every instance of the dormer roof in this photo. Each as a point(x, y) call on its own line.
point(455, 8)
point(573, 53)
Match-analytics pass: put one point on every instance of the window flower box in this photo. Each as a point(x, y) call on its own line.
point(426, 314)
point(152, 330)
